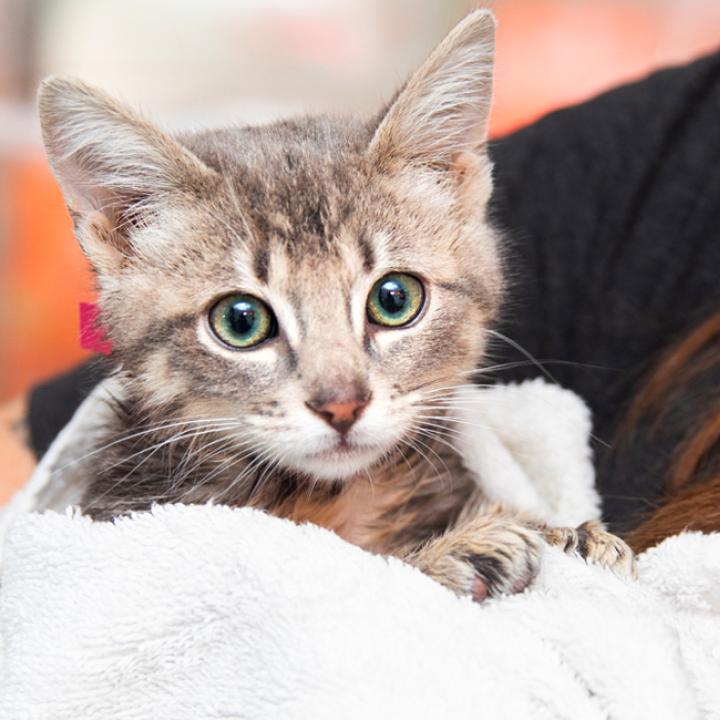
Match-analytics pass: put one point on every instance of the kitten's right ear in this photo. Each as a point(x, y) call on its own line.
point(441, 115)
point(107, 160)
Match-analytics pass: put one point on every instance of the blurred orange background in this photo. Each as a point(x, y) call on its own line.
point(192, 63)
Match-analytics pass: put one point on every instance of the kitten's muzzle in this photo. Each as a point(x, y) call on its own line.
point(340, 414)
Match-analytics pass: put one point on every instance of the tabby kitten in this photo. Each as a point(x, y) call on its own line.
point(291, 308)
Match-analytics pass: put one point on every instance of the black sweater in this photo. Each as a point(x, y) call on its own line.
point(613, 210)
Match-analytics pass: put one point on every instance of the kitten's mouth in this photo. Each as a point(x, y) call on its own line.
point(342, 449)
point(342, 460)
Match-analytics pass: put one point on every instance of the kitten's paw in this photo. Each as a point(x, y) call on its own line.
point(483, 564)
point(591, 542)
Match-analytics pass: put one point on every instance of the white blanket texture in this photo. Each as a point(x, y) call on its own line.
point(211, 612)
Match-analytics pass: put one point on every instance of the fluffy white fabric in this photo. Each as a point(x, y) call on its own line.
point(208, 612)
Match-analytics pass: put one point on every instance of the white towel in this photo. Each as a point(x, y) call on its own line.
point(209, 612)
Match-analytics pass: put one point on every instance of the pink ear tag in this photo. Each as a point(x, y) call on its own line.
point(92, 334)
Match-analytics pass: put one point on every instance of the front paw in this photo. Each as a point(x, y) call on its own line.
point(590, 542)
point(483, 562)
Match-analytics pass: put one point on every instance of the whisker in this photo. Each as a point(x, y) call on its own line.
point(169, 441)
point(435, 435)
point(259, 458)
point(148, 452)
point(228, 445)
point(534, 361)
point(458, 421)
point(132, 436)
point(411, 444)
point(221, 468)
point(228, 442)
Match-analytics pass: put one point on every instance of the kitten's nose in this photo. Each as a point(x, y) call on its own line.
point(339, 414)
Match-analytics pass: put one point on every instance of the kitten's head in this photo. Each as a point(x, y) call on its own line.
point(319, 280)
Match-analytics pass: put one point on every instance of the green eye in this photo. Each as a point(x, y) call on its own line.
point(242, 321)
point(395, 300)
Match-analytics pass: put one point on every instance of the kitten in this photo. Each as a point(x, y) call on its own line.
point(291, 308)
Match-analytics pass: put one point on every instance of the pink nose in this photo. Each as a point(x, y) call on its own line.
point(339, 414)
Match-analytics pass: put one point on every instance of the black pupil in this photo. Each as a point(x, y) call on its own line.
point(242, 317)
point(392, 297)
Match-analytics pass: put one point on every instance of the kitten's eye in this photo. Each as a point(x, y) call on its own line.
point(395, 300)
point(242, 321)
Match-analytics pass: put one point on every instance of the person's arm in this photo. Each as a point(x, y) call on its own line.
point(29, 423)
point(18, 460)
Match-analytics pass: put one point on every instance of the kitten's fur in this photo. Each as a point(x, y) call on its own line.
point(306, 214)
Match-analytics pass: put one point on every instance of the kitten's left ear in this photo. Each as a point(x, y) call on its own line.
point(440, 118)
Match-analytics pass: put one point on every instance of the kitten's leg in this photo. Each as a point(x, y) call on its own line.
point(591, 542)
point(488, 553)
point(491, 552)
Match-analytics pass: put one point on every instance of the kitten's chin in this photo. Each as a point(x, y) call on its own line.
point(339, 464)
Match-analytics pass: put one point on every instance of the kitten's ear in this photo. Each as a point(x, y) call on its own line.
point(442, 112)
point(107, 159)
